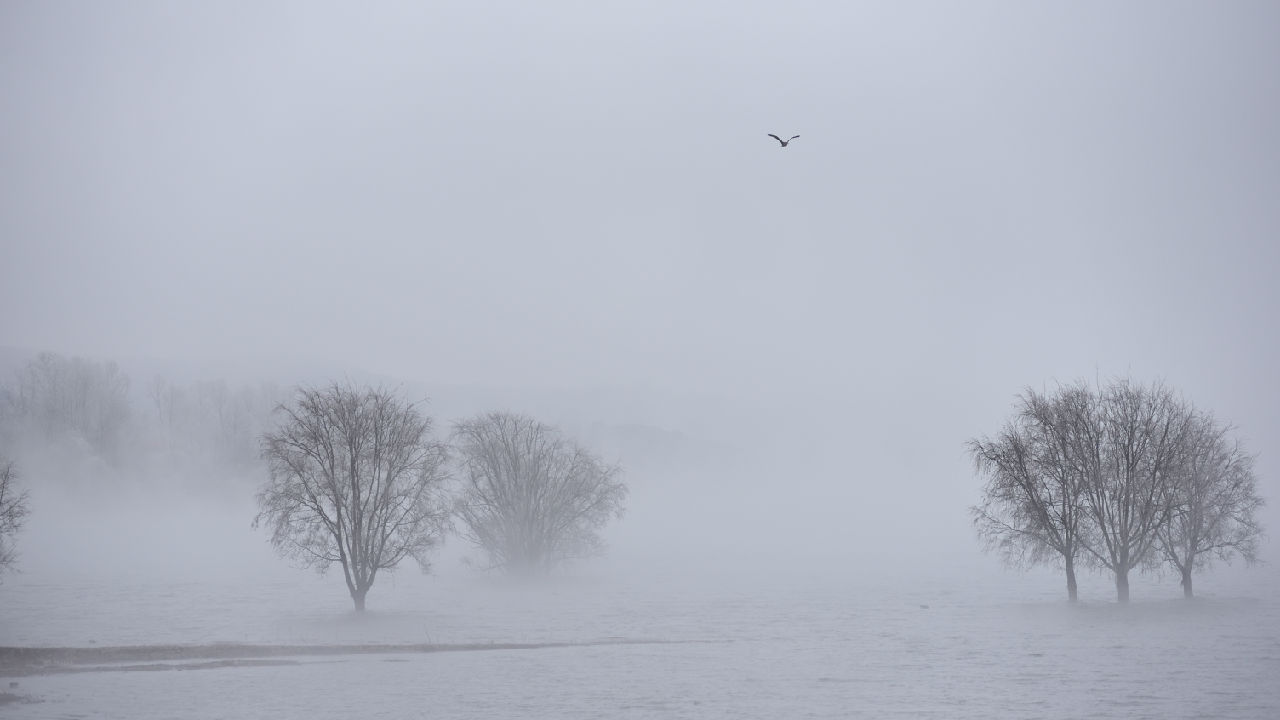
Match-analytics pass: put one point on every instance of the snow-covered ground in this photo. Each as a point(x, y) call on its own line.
point(736, 645)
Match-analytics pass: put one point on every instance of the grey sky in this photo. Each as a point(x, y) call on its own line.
point(984, 195)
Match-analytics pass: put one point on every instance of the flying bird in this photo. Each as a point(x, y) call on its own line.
point(784, 142)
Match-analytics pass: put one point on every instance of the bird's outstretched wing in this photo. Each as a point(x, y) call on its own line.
point(793, 137)
point(775, 137)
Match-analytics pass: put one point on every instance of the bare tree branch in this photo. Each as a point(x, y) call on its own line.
point(13, 512)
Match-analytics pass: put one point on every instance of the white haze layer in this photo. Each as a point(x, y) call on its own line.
point(573, 210)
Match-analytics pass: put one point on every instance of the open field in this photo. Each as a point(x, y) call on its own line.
point(796, 646)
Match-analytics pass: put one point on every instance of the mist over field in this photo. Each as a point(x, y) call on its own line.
point(574, 213)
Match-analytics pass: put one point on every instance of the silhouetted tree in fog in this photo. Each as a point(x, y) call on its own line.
point(13, 510)
point(531, 498)
point(1140, 431)
point(1213, 502)
point(355, 479)
point(1125, 476)
point(1032, 507)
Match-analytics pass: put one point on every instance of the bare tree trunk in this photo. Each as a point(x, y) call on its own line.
point(357, 596)
point(1122, 586)
point(1186, 582)
point(1071, 580)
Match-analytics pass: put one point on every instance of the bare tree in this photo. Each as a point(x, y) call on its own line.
point(1032, 507)
point(355, 479)
point(1125, 476)
point(531, 498)
point(1213, 501)
point(13, 511)
point(1141, 431)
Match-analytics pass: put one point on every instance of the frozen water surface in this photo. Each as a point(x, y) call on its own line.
point(952, 646)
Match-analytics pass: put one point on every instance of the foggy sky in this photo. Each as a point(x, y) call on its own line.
point(984, 196)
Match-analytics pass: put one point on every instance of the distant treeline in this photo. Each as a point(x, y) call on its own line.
point(92, 411)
